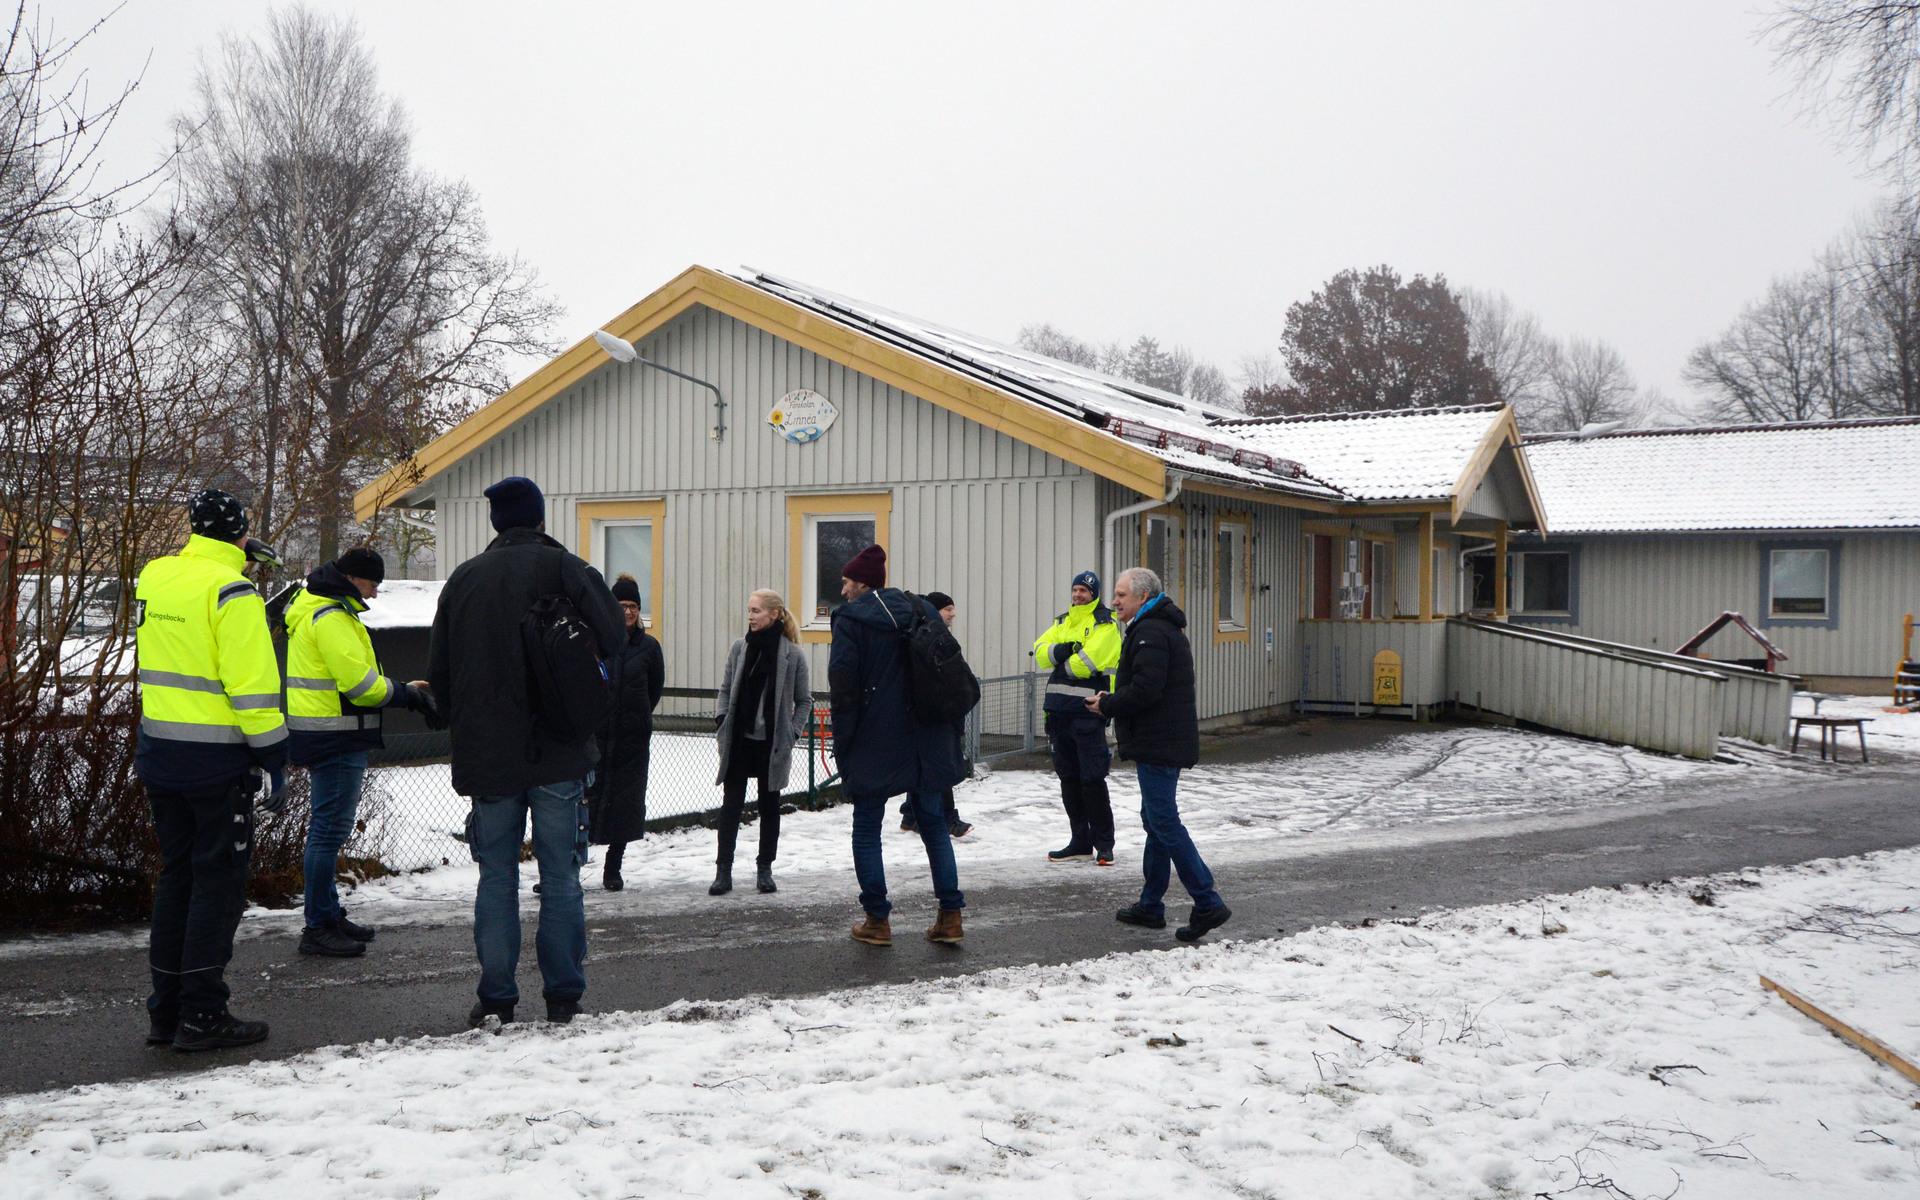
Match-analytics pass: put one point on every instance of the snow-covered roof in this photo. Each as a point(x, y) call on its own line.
point(1413, 454)
point(1833, 475)
point(403, 604)
point(1177, 430)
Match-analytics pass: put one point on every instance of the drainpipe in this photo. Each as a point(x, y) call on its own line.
point(1114, 518)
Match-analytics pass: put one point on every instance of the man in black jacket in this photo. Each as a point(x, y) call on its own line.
point(1157, 726)
point(504, 761)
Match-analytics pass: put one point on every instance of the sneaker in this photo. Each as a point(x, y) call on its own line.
point(959, 829)
point(217, 1031)
point(482, 1009)
point(874, 931)
point(160, 1032)
point(329, 942)
point(1133, 914)
point(1068, 854)
point(1202, 920)
point(359, 933)
point(1103, 858)
point(562, 1012)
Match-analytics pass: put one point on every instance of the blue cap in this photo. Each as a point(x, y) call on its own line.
point(1088, 580)
point(516, 503)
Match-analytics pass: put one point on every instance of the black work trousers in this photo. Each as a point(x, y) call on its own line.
point(206, 840)
point(747, 763)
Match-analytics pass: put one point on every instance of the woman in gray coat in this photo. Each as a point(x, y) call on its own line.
point(763, 704)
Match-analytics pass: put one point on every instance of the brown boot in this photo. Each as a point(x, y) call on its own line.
point(874, 931)
point(946, 927)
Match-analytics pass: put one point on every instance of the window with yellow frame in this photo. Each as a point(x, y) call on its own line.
point(824, 531)
point(628, 537)
point(1232, 578)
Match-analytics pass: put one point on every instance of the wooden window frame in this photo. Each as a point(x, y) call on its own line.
point(1176, 519)
point(802, 507)
point(1224, 631)
point(587, 513)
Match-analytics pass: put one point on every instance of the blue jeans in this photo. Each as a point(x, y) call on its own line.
point(335, 783)
point(495, 828)
point(1168, 843)
point(869, 813)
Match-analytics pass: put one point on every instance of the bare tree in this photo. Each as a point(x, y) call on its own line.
point(1045, 339)
point(1859, 62)
point(1260, 373)
point(360, 290)
point(1208, 384)
point(1788, 357)
point(1512, 345)
point(103, 405)
point(1881, 262)
point(1587, 382)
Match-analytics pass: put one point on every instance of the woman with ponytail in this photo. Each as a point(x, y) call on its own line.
point(762, 711)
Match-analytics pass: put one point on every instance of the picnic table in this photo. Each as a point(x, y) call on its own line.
point(1829, 728)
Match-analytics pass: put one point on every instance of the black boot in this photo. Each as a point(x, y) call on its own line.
point(610, 878)
point(1078, 845)
point(217, 1031)
point(482, 1009)
point(329, 942)
point(765, 879)
point(722, 880)
point(359, 933)
point(1097, 807)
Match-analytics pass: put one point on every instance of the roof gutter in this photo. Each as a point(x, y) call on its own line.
point(1114, 518)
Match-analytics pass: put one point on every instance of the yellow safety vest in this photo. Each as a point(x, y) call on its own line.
point(209, 683)
point(1088, 670)
point(335, 690)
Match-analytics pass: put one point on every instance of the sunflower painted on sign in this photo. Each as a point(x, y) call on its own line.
point(802, 416)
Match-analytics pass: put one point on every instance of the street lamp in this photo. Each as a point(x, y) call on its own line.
point(621, 350)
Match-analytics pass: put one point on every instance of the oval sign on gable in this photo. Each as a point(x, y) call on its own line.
point(803, 415)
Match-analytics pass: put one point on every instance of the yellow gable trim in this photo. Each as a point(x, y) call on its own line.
point(1080, 444)
point(1505, 431)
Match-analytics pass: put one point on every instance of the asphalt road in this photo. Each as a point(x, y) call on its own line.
point(79, 1018)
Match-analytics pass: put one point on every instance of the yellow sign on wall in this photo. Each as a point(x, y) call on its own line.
point(1386, 678)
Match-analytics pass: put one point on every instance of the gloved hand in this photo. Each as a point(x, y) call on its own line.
point(1062, 651)
point(420, 699)
point(270, 791)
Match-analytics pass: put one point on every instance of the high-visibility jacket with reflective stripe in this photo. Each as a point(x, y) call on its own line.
point(335, 690)
point(209, 683)
point(1085, 670)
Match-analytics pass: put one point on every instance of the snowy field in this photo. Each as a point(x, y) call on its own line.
point(1411, 787)
point(1612, 1043)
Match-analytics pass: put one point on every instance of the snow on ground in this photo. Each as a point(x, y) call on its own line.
point(1611, 1043)
point(1422, 784)
point(1889, 733)
point(404, 604)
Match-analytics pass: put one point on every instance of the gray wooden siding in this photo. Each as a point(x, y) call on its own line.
point(1230, 677)
point(1562, 685)
point(996, 523)
point(1336, 660)
point(1659, 592)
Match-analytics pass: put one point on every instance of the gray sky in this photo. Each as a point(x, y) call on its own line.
point(1634, 172)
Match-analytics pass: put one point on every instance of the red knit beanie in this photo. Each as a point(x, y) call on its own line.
point(868, 567)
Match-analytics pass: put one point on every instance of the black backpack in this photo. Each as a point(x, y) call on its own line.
point(941, 687)
point(566, 686)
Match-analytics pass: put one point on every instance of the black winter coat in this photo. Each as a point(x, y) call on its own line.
point(479, 672)
point(1154, 715)
point(618, 798)
point(880, 749)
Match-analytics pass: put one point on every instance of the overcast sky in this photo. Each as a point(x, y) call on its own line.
point(1634, 172)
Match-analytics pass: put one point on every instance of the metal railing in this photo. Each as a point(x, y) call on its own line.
point(1007, 721)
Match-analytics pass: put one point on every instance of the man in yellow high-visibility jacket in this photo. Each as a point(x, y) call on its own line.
point(210, 726)
point(335, 692)
point(1081, 649)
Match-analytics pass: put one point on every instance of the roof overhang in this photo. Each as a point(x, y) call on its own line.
point(1078, 443)
point(1503, 433)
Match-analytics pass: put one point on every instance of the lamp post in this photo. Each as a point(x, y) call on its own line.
point(622, 351)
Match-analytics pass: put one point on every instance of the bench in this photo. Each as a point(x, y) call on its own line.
point(1829, 728)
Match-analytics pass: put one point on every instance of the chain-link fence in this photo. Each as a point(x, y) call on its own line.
point(411, 818)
